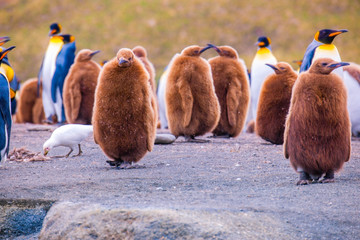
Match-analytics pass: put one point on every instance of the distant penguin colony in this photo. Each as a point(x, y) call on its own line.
point(191, 104)
point(125, 116)
point(79, 88)
point(5, 111)
point(232, 89)
point(30, 107)
point(259, 71)
point(58, 58)
point(317, 133)
point(274, 102)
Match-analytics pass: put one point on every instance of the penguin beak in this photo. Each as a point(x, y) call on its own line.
point(46, 151)
point(337, 32)
point(52, 32)
point(214, 47)
point(94, 52)
point(122, 60)
point(5, 51)
point(4, 40)
point(260, 44)
point(273, 67)
point(339, 64)
point(298, 62)
point(204, 49)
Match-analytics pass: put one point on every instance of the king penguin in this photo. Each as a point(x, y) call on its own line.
point(352, 83)
point(322, 47)
point(125, 115)
point(79, 88)
point(191, 104)
point(5, 111)
point(274, 102)
point(259, 71)
point(317, 136)
point(7, 69)
point(232, 89)
point(30, 107)
point(58, 58)
point(141, 53)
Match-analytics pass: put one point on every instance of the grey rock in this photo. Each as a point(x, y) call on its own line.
point(67, 220)
point(164, 138)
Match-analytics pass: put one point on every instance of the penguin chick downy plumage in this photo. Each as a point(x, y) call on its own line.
point(322, 47)
point(5, 111)
point(30, 107)
point(191, 104)
point(79, 88)
point(141, 53)
point(232, 90)
point(69, 135)
point(125, 116)
point(317, 135)
point(274, 102)
point(259, 71)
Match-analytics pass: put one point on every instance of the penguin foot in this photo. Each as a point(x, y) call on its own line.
point(120, 164)
point(220, 136)
point(304, 182)
point(305, 179)
point(193, 140)
point(329, 177)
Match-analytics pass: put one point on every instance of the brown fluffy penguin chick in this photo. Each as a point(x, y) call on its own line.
point(274, 102)
point(125, 116)
point(192, 107)
point(79, 88)
point(141, 53)
point(30, 108)
point(317, 131)
point(232, 90)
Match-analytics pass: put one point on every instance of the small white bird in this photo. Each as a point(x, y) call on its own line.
point(68, 135)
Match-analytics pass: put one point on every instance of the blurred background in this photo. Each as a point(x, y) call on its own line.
point(165, 27)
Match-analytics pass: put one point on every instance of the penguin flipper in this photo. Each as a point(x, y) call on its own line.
point(75, 101)
point(232, 103)
point(187, 101)
point(151, 128)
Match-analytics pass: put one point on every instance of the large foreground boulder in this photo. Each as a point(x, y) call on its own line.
point(68, 220)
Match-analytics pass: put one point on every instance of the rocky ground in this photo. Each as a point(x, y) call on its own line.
point(240, 188)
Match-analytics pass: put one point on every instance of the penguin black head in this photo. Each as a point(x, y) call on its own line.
point(326, 36)
point(67, 38)
point(263, 41)
point(280, 68)
point(4, 40)
point(4, 52)
point(85, 55)
point(139, 51)
point(225, 51)
point(125, 57)
point(55, 28)
point(325, 66)
point(194, 51)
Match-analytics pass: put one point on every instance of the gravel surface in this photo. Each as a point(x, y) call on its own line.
point(245, 174)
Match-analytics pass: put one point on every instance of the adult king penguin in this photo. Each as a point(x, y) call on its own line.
point(232, 89)
point(58, 58)
point(5, 111)
point(317, 136)
point(10, 74)
point(191, 104)
point(79, 88)
point(259, 71)
point(322, 47)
